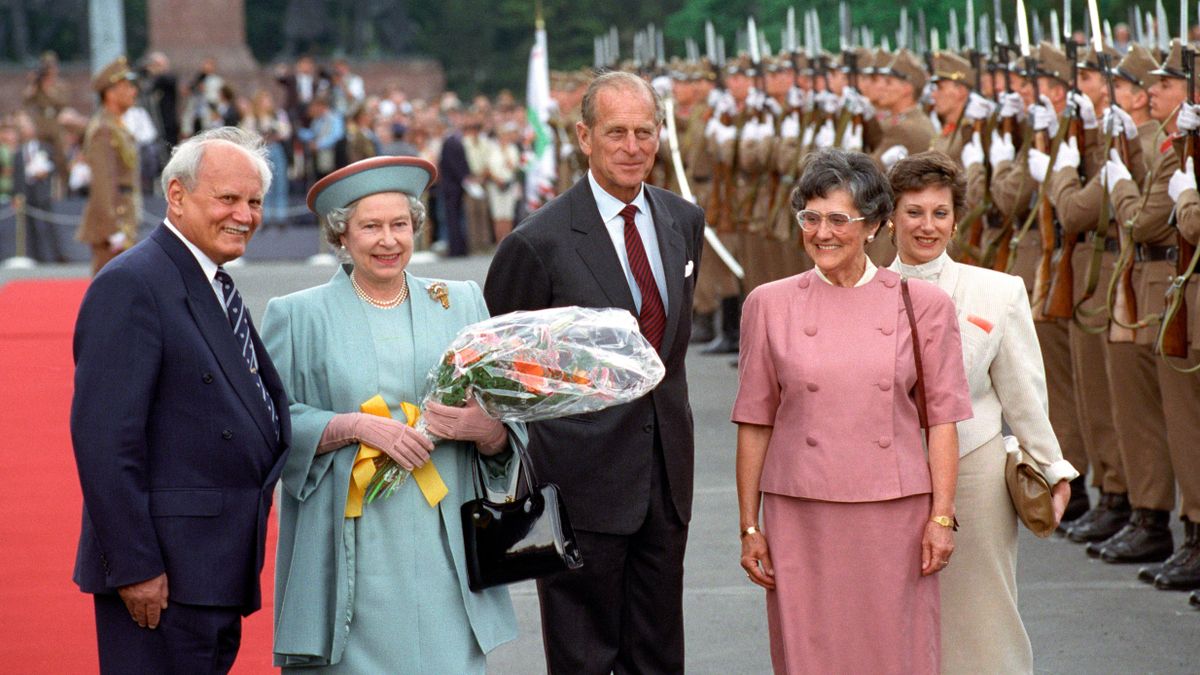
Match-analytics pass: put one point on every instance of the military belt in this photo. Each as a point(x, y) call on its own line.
point(1150, 253)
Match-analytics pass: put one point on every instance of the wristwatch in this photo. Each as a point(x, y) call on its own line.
point(945, 521)
point(753, 529)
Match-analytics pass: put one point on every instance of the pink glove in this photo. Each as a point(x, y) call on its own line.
point(468, 423)
point(397, 440)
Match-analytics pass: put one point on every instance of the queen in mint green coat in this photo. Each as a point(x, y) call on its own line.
point(386, 592)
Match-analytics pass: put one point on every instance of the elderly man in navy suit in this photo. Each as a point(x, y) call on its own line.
point(625, 472)
point(180, 424)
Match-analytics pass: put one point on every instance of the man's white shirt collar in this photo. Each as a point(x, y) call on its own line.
point(609, 206)
point(207, 266)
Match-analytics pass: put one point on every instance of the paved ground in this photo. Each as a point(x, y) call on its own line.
point(1084, 616)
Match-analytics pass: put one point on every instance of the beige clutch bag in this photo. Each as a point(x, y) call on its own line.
point(1029, 490)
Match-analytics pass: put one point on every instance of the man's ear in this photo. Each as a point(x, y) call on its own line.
point(584, 135)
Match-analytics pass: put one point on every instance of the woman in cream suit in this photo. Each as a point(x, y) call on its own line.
point(981, 628)
point(379, 587)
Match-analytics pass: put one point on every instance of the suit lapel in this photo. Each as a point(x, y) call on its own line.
point(214, 326)
point(595, 248)
point(671, 248)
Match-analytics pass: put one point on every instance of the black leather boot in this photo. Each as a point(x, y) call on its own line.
point(1194, 599)
point(1181, 572)
point(1106, 519)
point(1147, 538)
point(703, 328)
point(731, 327)
point(1148, 573)
point(1077, 506)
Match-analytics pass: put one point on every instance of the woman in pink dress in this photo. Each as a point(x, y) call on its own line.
point(857, 518)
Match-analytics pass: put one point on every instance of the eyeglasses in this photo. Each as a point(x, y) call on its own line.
point(810, 220)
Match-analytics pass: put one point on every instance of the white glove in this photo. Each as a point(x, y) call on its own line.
point(714, 125)
point(796, 97)
point(806, 138)
point(662, 85)
point(1043, 117)
point(936, 122)
point(856, 103)
point(1085, 109)
point(714, 98)
point(1189, 117)
point(972, 152)
point(852, 139)
point(978, 107)
point(790, 128)
point(825, 136)
point(118, 241)
point(1113, 171)
point(1039, 164)
point(1182, 180)
point(1012, 105)
point(567, 149)
point(1068, 155)
point(755, 98)
point(1002, 149)
point(892, 155)
point(773, 108)
point(726, 133)
point(828, 102)
point(1117, 121)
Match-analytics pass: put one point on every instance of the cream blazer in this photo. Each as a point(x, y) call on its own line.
point(1002, 358)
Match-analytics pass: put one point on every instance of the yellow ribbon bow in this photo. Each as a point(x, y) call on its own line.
point(426, 475)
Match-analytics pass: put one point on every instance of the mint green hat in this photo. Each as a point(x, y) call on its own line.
point(410, 175)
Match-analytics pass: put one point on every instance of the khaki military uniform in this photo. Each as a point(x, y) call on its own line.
point(913, 130)
point(114, 200)
point(44, 106)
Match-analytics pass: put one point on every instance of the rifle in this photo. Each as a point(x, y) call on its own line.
point(1173, 337)
point(1060, 304)
point(971, 227)
point(1004, 244)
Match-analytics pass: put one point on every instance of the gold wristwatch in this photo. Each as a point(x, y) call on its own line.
point(753, 529)
point(945, 521)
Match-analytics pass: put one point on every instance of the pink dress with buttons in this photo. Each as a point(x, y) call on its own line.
point(846, 485)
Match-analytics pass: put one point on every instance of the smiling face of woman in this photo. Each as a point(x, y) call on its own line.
point(839, 252)
point(924, 221)
point(379, 239)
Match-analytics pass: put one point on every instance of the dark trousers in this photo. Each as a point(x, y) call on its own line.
point(189, 639)
point(622, 612)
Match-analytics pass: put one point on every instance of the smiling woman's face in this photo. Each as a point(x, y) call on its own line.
point(838, 252)
point(924, 221)
point(379, 238)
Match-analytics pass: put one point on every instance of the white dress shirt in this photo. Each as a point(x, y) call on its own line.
point(610, 212)
point(207, 266)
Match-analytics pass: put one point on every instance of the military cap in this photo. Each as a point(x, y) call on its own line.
point(774, 64)
point(1051, 62)
point(950, 66)
point(410, 175)
point(906, 66)
point(742, 64)
point(863, 58)
point(879, 60)
point(1173, 65)
point(1089, 59)
point(111, 74)
point(1136, 66)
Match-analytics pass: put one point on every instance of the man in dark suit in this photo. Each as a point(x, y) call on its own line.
point(625, 472)
point(180, 424)
point(453, 169)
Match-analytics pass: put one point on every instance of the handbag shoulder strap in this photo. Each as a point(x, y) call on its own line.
point(922, 415)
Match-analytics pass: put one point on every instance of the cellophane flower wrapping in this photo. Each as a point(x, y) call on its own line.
point(540, 365)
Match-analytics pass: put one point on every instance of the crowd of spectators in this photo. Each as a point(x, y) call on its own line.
point(315, 118)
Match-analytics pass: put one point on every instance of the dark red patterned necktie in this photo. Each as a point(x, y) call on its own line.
point(653, 319)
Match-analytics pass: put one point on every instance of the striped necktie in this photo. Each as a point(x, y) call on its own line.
point(240, 321)
point(653, 319)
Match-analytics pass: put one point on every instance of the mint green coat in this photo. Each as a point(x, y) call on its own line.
point(320, 341)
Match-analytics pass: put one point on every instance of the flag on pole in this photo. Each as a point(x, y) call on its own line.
point(540, 170)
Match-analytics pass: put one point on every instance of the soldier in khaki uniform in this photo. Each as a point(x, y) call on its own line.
point(1077, 213)
point(953, 79)
point(1147, 537)
point(45, 98)
point(567, 91)
point(905, 132)
point(113, 211)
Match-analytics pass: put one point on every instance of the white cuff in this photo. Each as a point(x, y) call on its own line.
point(1060, 470)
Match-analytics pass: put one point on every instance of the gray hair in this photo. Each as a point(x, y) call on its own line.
point(617, 79)
point(833, 169)
point(333, 223)
point(186, 157)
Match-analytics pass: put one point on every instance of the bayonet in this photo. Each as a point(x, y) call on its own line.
point(952, 39)
point(1023, 32)
point(985, 35)
point(710, 42)
point(1164, 31)
point(1055, 35)
point(614, 46)
point(935, 42)
point(922, 32)
point(790, 29)
point(1068, 29)
point(1108, 34)
point(1037, 29)
point(844, 25)
point(901, 38)
point(972, 27)
point(752, 41)
point(885, 44)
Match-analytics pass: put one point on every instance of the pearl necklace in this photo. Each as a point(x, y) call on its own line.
point(381, 304)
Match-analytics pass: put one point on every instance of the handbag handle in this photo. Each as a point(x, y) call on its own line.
point(520, 449)
point(922, 415)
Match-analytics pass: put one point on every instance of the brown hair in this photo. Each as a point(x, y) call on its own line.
point(929, 169)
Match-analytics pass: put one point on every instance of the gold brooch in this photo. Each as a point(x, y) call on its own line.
point(437, 291)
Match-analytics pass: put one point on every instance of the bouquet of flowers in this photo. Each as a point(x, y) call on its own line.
point(539, 365)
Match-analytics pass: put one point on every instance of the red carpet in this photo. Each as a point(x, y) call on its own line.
point(46, 623)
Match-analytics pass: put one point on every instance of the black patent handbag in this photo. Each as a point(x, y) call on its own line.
point(524, 537)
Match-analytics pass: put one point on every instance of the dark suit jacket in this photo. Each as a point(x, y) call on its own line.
point(176, 450)
point(562, 255)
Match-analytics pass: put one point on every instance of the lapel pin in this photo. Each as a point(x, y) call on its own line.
point(438, 291)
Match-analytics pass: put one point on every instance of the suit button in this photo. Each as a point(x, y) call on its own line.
point(887, 330)
point(227, 434)
point(811, 441)
point(885, 385)
point(812, 386)
point(884, 442)
point(649, 428)
point(207, 378)
point(810, 330)
point(890, 283)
